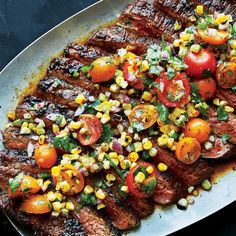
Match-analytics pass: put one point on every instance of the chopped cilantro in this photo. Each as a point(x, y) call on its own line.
point(147, 81)
point(107, 134)
point(148, 189)
point(101, 184)
point(207, 73)
point(170, 73)
point(121, 193)
point(226, 137)
point(163, 112)
point(140, 168)
point(90, 108)
point(65, 142)
point(86, 69)
point(44, 175)
point(195, 96)
point(145, 155)
point(133, 103)
point(222, 114)
point(15, 183)
point(234, 89)
point(155, 69)
point(24, 190)
point(177, 64)
point(88, 199)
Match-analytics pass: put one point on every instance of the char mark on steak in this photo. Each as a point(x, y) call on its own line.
point(84, 54)
point(227, 95)
point(222, 127)
point(115, 37)
point(146, 20)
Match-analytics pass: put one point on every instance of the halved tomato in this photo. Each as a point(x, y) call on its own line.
point(206, 87)
point(147, 187)
point(220, 36)
point(173, 92)
point(92, 127)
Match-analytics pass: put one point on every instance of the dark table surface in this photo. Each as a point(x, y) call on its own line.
point(21, 22)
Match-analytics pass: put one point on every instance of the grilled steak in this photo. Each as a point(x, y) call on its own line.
point(223, 127)
point(227, 95)
point(84, 54)
point(142, 18)
point(219, 151)
point(115, 37)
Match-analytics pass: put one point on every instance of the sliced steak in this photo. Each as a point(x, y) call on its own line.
point(220, 150)
point(84, 54)
point(223, 127)
point(42, 109)
point(115, 37)
point(146, 20)
point(227, 95)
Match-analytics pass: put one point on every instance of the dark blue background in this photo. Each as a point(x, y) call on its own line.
point(23, 21)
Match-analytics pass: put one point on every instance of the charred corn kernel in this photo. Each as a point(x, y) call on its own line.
point(100, 206)
point(55, 213)
point(177, 26)
point(147, 96)
point(75, 125)
point(145, 65)
point(100, 194)
point(128, 139)
point(229, 109)
point(166, 129)
point(125, 164)
point(124, 189)
point(56, 171)
point(140, 177)
point(105, 118)
point(131, 91)
point(65, 186)
point(152, 152)
point(162, 141)
point(195, 48)
point(138, 147)
point(170, 142)
point(110, 177)
point(25, 130)
point(127, 106)
point(185, 36)
point(25, 125)
point(147, 145)
point(40, 182)
point(162, 167)
point(51, 196)
point(233, 44)
point(41, 139)
point(191, 111)
point(150, 170)
point(106, 165)
point(65, 211)
point(105, 147)
point(55, 129)
point(133, 156)
point(59, 196)
point(114, 88)
point(88, 189)
point(102, 97)
point(70, 206)
point(136, 136)
point(223, 103)
point(177, 43)
point(199, 10)
point(39, 131)
point(11, 115)
point(56, 206)
point(45, 185)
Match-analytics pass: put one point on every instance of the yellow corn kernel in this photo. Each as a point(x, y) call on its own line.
point(177, 43)
point(56, 206)
point(115, 160)
point(177, 112)
point(185, 36)
point(69, 173)
point(102, 97)
point(100, 206)
point(136, 136)
point(25, 130)
point(56, 171)
point(64, 211)
point(170, 142)
point(65, 186)
point(130, 55)
point(152, 152)
point(150, 170)
point(77, 150)
point(181, 136)
point(55, 213)
point(131, 91)
point(25, 125)
point(133, 156)
point(100, 194)
point(105, 118)
point(75, 125)
point(199, 10)
point(11, 115)
point(147, 96)
point(70, 206)
point(216, 101)
point(99, 115)
point(233, 44)
point(229, 109)
point(124, 189)
point(162, 141)
point(41, 139)
point(119, 79)
point(80, 99)
point(162, 167)
point(110, 177)
point(127, 106)
point(106, 165)
point(51, 196)
point(145, 65)
point(121, 158)
point(191, 111)
point(59, 196)
point(195, 48)
point(222, 18)
point(140, 177)
point(138, 147)
point(223, 103)
point(40, 182)
point(39, 131)
point(113, 154)
point(55, 129)
point(31, 125)
point(101, 156)
point(45, 185)
point(63, 204)
point(166, 129)
point(114, 88)
point(147, 145)
point(88, 189)
point(125, 164)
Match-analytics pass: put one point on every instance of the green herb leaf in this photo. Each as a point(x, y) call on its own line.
point(90, 108)
point(145, 155)
point(133, 103)
point(118, 171)
point(234, 89)
point(147, 81)
point(44, 175)
point(121, 193)
point(226, 137)
point(155, 70)
point(171, 73)
point(101, 184)
point(163, 112)
point(222, 114)
point(195, 96)
point(86, 69)
point(148, 189)
point(177, 64)
point(15, 183)
point(107, 134)
point(88, 199)
point(65, 143)
point(24, 190)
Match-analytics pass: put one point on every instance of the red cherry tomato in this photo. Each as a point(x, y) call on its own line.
point(135, 188)
point(200, 65)
point(206, 87)
point(132, 74)
point(173, 92)
point(93, 128)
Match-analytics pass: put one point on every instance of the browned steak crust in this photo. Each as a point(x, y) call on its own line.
point(227, 95)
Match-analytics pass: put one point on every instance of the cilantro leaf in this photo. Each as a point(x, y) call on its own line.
point(44, 175)
point(226, 137)
point(234, 89)
point(107, 134)
point(86, 69)
point(163, 112)
point(15, 183)
point(65, 142)
point(88, 199)
point(222, 114)
point(170, 73)
point(148, 189)
point(90, 108)
point(195, 96)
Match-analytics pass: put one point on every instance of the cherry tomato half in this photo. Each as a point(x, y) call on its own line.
point(200, 65)
point(103, 69)
point(219, 38)
point(71, 175)
point(199, 129)
point(93, 129)
point(142, 117)
point(135, 188)
point(173, 92)
point(36, 204)
point(226, 75)
point(206, 87)
point(132, 74)
point(188, 150)
point(45, 156)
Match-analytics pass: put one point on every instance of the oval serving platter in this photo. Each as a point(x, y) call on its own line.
point(29, 64)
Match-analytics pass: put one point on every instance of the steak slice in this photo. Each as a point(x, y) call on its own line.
point(146, 20)
point(42, 109)
point(115, 37)
point(227, 95)
point(190, 175)
point(84, 54)
point(220, 150)
point(222, 127)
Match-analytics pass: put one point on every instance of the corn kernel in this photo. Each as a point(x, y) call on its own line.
point(114, 88)
point(199, 10)
point(65, 186)
point(51, 196)
point(166, 129)
point(40, 182)
point(106, 165)
point(124, 188)
point(150, 170)
point(170, 142)
point(147, 96)
point(185, 36)
point(88, 189)
point(222, 18)
point(147, 145)
point(77, 150)
point(100, 206)
point(65, 211)
point(25, 125)
point(152, 152)
point(229, 109)
point(125, 164)
point(56, 206)
point(223, 103)
point(131, 91)
point(121, 158)
point(138, 147)
point(130, 55)
point(55, 129)
point(127, 106)
point(195, 48)
point(80, 99)
point(31, 125)
point(216, 101)
point(119, 80)
point(162, 141)
point(41, 139)
point(177, 26)
point(11, 115)
point(59, 196)
point(56, 171)
point(133, 156)
point(25, 130)
point(113, 154)
point(115, 160)
point(70, 206)
point(100, 194)
point(45, 185)
point(110, 177)
point(162, 167)
point(105, 118)
point(39, 131)
point(75, 125)
point(140, 177)
point(177, 43)
point(55, 213)
point(145, 65)
point(233, 44)
point(191, 111)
